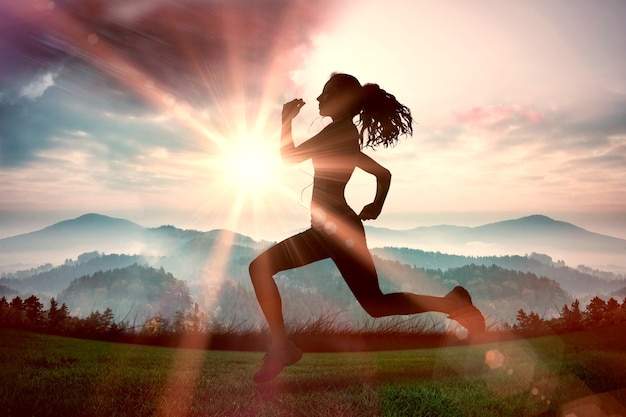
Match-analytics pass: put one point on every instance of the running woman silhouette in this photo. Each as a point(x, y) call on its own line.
point(336, 230)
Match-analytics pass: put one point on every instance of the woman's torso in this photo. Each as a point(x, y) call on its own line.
point(334, 163)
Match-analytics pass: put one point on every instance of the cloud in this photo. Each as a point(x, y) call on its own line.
point(593, 127)
point(554, 154)
point(38, 87)
point(614, 159)
point(25, 128)
point(183, 45)
point(600, 120)
point(500, 116)
point(124, 127)
point(98, 60)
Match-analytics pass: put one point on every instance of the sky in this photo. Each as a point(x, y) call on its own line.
point(166, 112)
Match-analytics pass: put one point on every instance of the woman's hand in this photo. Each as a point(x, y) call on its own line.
point(291, 109)
point(370, 212)
point(383, 181)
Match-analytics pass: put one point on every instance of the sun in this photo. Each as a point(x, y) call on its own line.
point(249, 165)
point(249, 183)
point(252, 164)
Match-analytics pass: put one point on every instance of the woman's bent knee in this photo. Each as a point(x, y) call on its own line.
point(255, 270)
point(260, 270)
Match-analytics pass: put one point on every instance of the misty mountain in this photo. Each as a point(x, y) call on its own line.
point(537, 233)
point(134, 293)
point(89, 230)
point(54, 280)
point(580, 282)
point(499, 293)
point(205, 258)
point(200, 257)
point(214, 266)
point(218, 281)
point(620, 294)
point(225, 292)
point(531, 231)
point(7, 292)
point(95, 232)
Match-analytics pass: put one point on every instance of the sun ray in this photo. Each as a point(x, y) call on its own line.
point(238, 142)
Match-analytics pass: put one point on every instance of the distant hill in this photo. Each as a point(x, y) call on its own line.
point(499, 293)
point(51, 282)
point(579, 282)
point(95, 232)
point(537, 233)
point(7, 292)
point(214, 265)
point(134, 293)
point(87, 230)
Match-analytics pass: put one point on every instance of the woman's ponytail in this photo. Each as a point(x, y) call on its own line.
point(382, 118)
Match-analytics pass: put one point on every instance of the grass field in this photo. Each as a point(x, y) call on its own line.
point(581, 374)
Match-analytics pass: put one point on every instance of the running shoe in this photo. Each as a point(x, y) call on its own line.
point(465, 313)
point(274, 362)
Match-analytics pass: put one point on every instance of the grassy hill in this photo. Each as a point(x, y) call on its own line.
point(576, 374)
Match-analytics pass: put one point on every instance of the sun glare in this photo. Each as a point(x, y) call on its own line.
point(249, 166)
point(247, 184)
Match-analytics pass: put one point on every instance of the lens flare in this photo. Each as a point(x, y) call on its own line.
point(249, 165)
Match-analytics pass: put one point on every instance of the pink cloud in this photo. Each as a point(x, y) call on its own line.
point(499, 115)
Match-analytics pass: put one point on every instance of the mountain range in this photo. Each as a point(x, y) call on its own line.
point(532, 234)
point(95, 232)
point(537, 233)
point(214, 266)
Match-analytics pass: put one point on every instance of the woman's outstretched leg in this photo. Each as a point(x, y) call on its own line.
point(457, 304)
point(358, 270)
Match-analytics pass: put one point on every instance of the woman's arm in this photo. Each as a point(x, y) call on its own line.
point(333, 140)
point(383, 182)
point(288, 151)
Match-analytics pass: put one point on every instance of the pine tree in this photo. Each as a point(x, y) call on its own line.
point(594, 313)
point(571, 318)
point(34, 312)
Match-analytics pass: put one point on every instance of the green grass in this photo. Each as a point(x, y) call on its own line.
point(576, 374)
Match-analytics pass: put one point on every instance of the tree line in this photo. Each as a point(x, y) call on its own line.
point(30, 314)
point(598, 313)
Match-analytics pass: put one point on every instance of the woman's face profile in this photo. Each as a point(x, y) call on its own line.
point(325, 100)
point(334, 102)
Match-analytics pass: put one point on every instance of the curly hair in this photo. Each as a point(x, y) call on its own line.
point(382, 118)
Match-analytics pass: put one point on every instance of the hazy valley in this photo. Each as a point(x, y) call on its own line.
point(211, 268)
